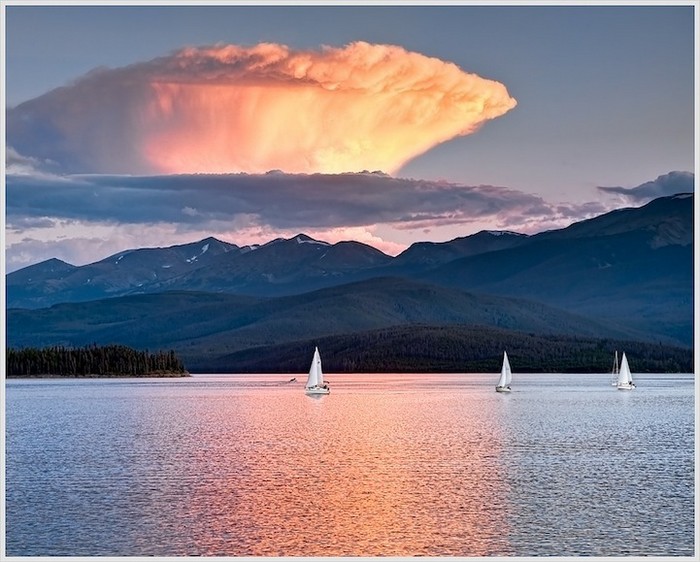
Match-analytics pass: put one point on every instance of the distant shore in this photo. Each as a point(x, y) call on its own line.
point(111, 376)
point(92, 361)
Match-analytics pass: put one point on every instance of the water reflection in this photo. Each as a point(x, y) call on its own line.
point(355, 473)
point(394, 465)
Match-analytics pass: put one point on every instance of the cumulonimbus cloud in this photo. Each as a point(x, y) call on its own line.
point(229, 108)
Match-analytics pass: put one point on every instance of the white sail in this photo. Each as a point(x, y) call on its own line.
point(315, 374)
point(315, 384)
point(506, 374)
point(615, 370)
point(624, 377)
point(319, 371)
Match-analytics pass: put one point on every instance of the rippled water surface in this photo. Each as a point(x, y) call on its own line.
point(396, 465)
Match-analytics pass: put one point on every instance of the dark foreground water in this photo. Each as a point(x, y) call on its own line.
point(393, 465)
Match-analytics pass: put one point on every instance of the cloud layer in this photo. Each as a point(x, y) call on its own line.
point(83, 218)
point(278, 200)
point(228, 108)
point(664, 185)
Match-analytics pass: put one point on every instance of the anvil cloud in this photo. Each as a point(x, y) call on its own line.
point(230, 108)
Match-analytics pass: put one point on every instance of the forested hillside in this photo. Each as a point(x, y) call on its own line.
point(451, 349)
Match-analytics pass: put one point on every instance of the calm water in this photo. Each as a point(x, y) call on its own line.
point(396, 465)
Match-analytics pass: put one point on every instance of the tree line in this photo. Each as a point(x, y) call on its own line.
point(91, 361)
point(453, 349)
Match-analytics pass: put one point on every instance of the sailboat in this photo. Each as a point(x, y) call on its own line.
point(504, 382)
point(615, 370)
point(624, 377)
point(315, 384)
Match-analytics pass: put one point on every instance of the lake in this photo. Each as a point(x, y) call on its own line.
point(386, 465)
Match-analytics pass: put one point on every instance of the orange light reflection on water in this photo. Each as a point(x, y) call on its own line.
point(304, 477)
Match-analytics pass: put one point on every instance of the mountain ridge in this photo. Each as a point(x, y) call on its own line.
point(631, 267)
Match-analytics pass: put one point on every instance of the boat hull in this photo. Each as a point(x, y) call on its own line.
point(317, 391)
point(502, 389)
point(626, 387)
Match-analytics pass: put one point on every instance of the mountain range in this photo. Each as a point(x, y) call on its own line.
point(625, 275)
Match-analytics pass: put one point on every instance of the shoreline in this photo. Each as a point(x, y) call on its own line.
point(115, 376)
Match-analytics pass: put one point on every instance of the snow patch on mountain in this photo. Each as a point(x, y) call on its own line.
point(300, 240)
point(194, 258)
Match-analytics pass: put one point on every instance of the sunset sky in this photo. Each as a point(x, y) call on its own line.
point(152, 126)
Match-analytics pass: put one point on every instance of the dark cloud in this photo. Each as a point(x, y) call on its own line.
point(84, 217)
point(667, 184)
point(278, 200)
point(23, 223)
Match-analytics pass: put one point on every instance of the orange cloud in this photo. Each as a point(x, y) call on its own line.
point(228, 108)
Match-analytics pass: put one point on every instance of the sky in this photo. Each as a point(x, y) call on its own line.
point(142, 126)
